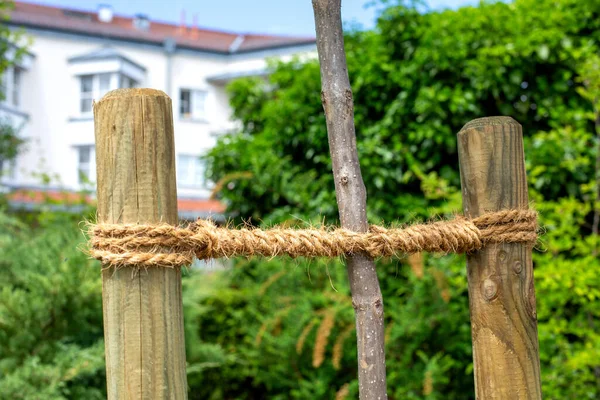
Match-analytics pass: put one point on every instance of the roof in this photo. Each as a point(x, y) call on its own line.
point(122, 28)
point(229, 76)
point(104, 53)
point(31, 199)
point(191, 209)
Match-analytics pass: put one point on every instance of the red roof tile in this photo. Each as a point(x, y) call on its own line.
point(48, 196)
point(38, 197)
point(87, 23)
point(207, 206)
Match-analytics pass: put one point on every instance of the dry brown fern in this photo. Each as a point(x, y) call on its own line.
point(261, 333)
point(228, 178)
point(303, 335)
point(322, 338)
point(275, 322)
point(427, 383)
point(276, 330)
point(441, 282)
point(272, 279)
point(416, 264)
point(342, 393)
point(338, 347)
point(388, 332)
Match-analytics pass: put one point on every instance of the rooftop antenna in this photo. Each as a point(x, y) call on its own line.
point(195, 32)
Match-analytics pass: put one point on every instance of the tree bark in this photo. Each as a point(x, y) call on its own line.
point(351, 195)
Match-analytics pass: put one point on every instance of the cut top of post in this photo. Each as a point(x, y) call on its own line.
point(132, 92)
point(492, 166)
point(135, 157)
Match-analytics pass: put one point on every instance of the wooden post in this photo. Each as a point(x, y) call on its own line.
point(500, 276)
point(143, 315)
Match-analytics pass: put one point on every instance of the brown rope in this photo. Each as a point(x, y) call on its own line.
point(174, 246)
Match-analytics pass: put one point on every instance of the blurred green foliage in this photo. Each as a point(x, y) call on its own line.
point(417, 78)
point(283, 329)
point(51, 343)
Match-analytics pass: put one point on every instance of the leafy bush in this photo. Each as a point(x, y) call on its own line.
point(283, 328)
point(417, 78)
point(51, 343)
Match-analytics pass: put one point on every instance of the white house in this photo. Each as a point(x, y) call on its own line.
point(76, 56)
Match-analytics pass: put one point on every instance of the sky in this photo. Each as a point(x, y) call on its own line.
point(284, 17)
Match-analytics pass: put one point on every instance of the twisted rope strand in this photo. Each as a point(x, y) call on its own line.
point(172, 246)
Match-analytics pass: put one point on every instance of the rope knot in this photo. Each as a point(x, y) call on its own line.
point(204, 239)
point(508, 226)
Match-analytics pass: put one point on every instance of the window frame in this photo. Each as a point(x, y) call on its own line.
point(193, 113)
point(8, 170)
point(86, 169)
point(115, 81)
point(195, 170)
point(12, 86)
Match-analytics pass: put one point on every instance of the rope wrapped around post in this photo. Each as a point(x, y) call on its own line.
point(166, 245)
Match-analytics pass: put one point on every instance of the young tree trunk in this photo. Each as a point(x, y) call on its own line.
point(336, 95)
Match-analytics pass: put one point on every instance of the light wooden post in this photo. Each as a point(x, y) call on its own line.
point(143, 316)
point(500, 276)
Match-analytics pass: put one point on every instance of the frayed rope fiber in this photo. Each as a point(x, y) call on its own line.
point(175, 246)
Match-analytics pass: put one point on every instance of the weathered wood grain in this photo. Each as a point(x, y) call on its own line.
point(143, 316)
point(500, 276)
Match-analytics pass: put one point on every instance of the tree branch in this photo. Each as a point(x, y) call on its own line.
point(351, 195)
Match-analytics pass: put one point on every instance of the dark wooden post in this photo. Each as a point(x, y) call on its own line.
point(143, 315)
point(500, 276)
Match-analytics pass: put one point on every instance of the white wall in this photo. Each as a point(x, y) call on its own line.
point(50, 95)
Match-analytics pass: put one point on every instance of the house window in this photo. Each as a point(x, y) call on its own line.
point(127, 82)
point(87, 93)
point(4, 84)
point(8, 169)
point(192, 104)
point(96, 86)
point(190, 171)
point(86, 164)
point(11, 86)
point(16, 87)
